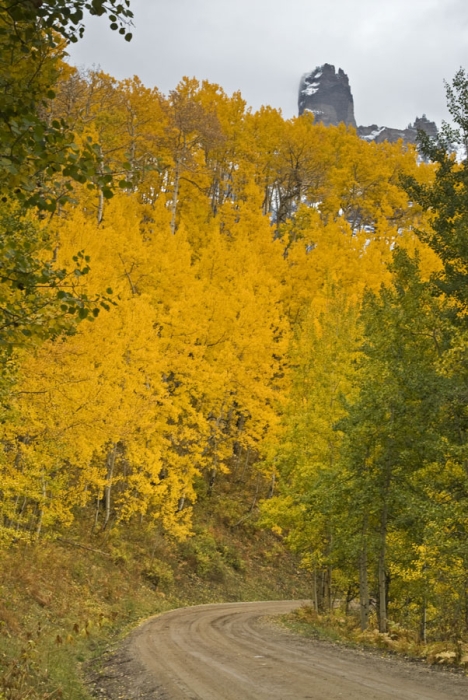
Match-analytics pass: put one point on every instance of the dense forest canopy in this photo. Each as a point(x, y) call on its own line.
point(187, 285)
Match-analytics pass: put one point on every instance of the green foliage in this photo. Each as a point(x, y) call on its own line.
point(37, 299)
point(203, 555)
point(65, 17)
point(392, 430)
point(446, 200)
point(159, 574)
point(212, 560)
point(40, 158)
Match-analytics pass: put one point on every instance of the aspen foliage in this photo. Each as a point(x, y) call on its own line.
point(227, 273)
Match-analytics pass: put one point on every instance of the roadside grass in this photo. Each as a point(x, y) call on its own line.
point(338, 628)
point(58, 607)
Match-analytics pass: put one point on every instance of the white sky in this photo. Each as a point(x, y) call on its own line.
point(396, 52)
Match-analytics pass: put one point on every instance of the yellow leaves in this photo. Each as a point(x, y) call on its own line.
point(244, 249)
point(186, 363)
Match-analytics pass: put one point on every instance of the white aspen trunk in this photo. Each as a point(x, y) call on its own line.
point(20, 514)
point(127, 275)
point(215, 196)
point(257, 488)
point(214, 468)
point(96, 516)
point(175, 198)
point(382, 577)
point(39, 524)
point(100, 212)
point(108, 488)
point(41, 512)
point(246, 464)
point(212, 479)
point(237, 462)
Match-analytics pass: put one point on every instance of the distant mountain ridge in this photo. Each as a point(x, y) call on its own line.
point(326, 93)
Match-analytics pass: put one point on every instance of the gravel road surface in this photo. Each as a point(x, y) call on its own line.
point(233, 651)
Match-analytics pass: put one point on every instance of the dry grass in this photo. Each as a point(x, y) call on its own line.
point(57, 607)
point(338, 627)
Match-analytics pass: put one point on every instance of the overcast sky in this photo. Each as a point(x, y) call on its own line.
point(396, 53)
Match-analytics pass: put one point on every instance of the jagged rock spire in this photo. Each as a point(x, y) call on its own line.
point(326, 93)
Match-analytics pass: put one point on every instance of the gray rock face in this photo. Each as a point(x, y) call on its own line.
point(408, 135)
point(424, 124)
point(327, 94)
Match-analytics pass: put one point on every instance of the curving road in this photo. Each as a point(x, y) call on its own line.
point(230, 652)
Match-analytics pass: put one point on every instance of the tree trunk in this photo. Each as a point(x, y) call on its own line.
point(41, 511)
point(328, 589)
point(382, 572)
point(271, 490)
point(96, 514)
point(245, 466)
point(363, 588)
point(175, 197)
point(127, 275)
point(324, 601)
point(100, 212)
point(316, 601)
point(212, 479)
point(466, 605)
point(20, 514)
point(328, 575)
point(108, 488)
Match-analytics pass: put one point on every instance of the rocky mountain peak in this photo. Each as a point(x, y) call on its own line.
point(327, 94)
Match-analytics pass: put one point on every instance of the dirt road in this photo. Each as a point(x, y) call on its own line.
point(231, 652)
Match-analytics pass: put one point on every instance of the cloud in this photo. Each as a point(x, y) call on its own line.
point(396, 54)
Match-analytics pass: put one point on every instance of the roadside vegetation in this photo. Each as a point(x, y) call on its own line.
point(338, 627)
